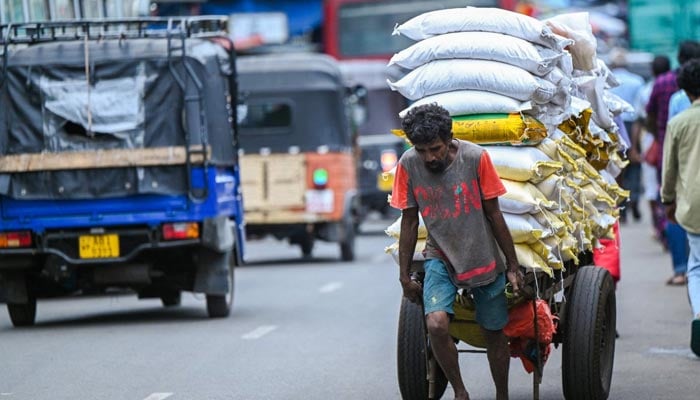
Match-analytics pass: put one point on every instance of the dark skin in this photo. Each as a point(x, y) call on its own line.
point(437, 155)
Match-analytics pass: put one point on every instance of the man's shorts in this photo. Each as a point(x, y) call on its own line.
point(439, 295)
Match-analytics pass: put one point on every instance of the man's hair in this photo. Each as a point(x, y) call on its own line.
point(688, 50)
point(689, 77)
point(423, 124)
point(660, 65)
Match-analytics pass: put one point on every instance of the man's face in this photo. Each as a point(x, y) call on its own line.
point(435, 155)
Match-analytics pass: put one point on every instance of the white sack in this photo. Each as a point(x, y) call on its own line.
point(465, 102)
point(536, 59)
point(461, 74)
point(522, 163)
point(577, 26)
point(482, 20)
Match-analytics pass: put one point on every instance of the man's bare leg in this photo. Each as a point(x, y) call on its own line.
point(498, 354)
point(445, 351)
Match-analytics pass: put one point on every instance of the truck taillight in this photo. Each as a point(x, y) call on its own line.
point(15, 239)
point(180, 230)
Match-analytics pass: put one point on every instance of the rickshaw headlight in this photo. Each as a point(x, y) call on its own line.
point(320, 178)
point(388, 160)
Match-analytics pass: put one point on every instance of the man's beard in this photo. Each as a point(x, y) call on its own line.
point(437, 166)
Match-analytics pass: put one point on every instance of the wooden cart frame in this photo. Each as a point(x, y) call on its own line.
point(585, 328)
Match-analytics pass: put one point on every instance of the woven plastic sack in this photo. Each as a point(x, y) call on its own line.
point(528, 258)
point(462, 74)
point(483, 20)
point(394, 230)
point(521, 322)
point(393, 250)
point(536, 59)
point(522, 164)
point(577, 26)
point(511, 129)
point(521, 228)
point(523, 197)
point(467, 102)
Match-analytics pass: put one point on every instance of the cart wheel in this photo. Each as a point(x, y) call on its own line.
point(412, 363)
point(589, 336)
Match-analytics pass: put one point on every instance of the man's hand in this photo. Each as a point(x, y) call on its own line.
point(516, 279)
point(671, 212)
point(412, 290)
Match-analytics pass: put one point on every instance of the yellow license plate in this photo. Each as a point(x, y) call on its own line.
point(98, 246)
point(385, 182)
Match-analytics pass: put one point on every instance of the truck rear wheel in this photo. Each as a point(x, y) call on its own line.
point(23, 314)
point(219, 306)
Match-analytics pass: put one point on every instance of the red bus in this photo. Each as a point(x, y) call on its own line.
point(361, 29)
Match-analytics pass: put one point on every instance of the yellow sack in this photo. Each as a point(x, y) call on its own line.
point(511, 129)
point(528, 258)
point(523, 228)
point(522, 164)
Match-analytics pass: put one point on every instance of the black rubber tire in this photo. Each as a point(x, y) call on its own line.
point(171, 299)
point(219, 306)
point(347, 244)
point(307, 246)
point(23, 314)
point(589, 336)
point(411, 361)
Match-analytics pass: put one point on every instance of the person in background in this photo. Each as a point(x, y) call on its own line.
point(657, 114)
point(628, 90)
point(639, 134)
point(455, 187)
point(680, 183)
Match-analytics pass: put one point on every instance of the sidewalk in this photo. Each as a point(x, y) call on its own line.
point(653, 321)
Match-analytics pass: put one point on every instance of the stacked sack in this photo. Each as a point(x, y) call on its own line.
point(534, 95)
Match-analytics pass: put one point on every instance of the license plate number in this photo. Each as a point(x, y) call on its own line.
point(98, 246)
point(319, 201)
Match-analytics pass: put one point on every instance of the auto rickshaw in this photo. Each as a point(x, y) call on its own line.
point(298, 161)
point(380, 150)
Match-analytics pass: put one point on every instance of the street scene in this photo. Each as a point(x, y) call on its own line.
point(314, 330)
point(350, 199)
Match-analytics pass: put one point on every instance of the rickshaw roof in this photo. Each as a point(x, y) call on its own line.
point(297, 71)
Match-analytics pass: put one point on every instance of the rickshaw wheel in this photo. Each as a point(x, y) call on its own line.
point(589, 336)
point(412, 363)
point(347, 242)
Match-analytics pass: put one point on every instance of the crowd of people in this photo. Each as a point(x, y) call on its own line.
point(664, 157)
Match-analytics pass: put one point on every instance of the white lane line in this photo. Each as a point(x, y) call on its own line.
point(5, 394)
point(259, 332)
point(158, 396)
point(330, 287)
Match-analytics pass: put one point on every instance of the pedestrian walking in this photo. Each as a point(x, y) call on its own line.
point(657, 113)
point(455, 187)
point(680, 185)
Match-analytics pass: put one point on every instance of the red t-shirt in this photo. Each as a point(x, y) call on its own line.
point(451, 206)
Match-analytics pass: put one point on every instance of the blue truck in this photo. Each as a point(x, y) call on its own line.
point(119, 161)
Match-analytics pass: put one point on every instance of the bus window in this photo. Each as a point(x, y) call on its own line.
point(361, 29)
point(64, 10)
point(92, 8)
point(38, 10)
point(13, 11)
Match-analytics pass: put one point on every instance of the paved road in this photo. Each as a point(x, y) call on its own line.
point(317, 329)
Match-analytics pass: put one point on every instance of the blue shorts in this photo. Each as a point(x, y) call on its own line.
point(439, 295)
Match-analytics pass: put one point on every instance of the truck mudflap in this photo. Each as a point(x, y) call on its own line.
point(216, 256)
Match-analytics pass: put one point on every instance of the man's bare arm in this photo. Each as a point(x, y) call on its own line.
point(407, 246)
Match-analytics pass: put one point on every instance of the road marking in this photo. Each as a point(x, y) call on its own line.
point(259, 332)
point(6, 394)
point(158, 396)
point(330, 287)
point(673, 351)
